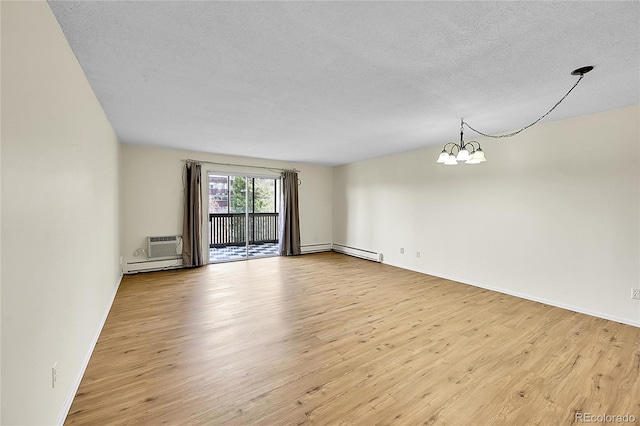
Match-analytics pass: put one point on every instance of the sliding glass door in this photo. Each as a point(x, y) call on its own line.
point(243, 216)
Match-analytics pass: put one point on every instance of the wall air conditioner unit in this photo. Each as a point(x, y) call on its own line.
point(169, 247)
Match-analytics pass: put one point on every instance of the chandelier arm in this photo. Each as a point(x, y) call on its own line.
point(508, 135)
point(471, 143)
point(451, 143)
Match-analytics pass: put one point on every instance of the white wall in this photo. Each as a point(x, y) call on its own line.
point(552, 215)
point(60, 232)
point(0, 232)
point(151, 194)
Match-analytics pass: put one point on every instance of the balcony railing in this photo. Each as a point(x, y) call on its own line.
point(230, 229)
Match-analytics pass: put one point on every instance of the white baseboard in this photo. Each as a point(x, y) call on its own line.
point(74, 389)
point(529, 297)
point(353, 251)
point(315, 248)
point(152, 265)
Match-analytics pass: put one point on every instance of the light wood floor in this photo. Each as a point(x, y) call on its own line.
point(331, 339)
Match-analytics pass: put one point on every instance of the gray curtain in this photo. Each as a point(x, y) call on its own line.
point(289, 230)
point(192, 222)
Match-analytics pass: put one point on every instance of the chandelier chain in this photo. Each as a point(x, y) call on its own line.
point(508, 135)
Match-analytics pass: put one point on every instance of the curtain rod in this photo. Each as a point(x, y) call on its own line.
point(243, 165)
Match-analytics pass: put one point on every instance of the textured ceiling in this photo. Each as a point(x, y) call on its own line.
point(337, 82)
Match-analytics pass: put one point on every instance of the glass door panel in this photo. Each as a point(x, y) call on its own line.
point(243, 217)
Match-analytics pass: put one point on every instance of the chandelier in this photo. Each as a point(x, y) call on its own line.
point(466, 152)
point(471, 153)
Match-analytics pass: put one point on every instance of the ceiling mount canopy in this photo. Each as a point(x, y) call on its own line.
point(469, 153)
point(582, 70)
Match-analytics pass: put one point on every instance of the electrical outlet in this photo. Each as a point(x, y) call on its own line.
point(418, 254)
point(635, 293)
point(401, 250)
point(54, 375)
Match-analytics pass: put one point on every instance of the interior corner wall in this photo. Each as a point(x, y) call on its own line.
point(60, 231)
point(152, 194)
point(552, 216)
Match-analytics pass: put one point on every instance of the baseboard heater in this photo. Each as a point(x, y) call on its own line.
point(352, 251)
point(315, 248)
point(152, 265)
